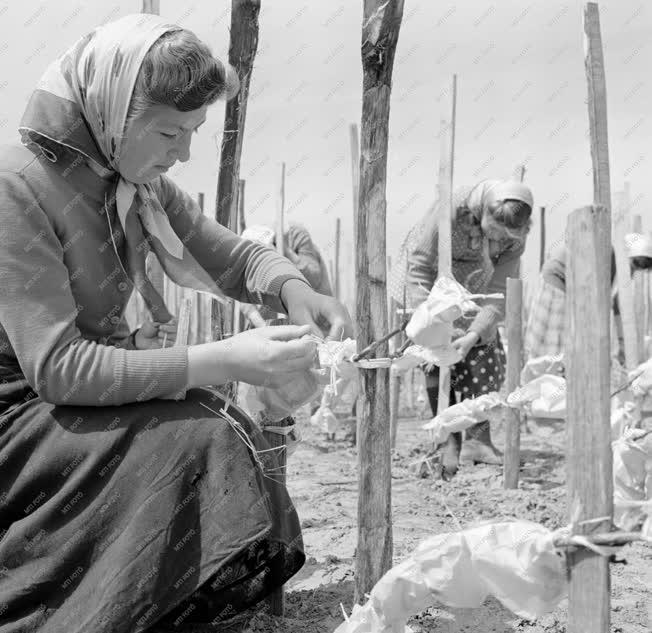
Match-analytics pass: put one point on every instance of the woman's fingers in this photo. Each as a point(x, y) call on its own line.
point(284, 332)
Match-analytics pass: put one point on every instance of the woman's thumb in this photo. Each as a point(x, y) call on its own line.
point(148, 329)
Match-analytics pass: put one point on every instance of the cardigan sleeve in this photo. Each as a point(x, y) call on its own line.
point(423, 250)
point(38, 312)
point(492, 311)
point(244, 270)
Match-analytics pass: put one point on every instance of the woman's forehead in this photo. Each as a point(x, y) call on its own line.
point(166, 115)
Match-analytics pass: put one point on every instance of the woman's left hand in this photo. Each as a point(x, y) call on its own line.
point(326, 315)
point(156, 335)
point(464, 343)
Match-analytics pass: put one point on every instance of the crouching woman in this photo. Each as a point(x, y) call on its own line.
point(130, 494)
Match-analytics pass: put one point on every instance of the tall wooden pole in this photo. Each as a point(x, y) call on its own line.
point(355, 188)
point(380, 30)
point(513, 312)
point(241, 204)
point(242, 52)
point(151, 6)
point(589, 461)
point(542, 242)
point(597, 102)
point(336, 261)
point(640, 289)
point(445, 186)
point(280, 211)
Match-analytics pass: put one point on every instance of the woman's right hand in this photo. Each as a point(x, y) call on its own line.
point(272, 356)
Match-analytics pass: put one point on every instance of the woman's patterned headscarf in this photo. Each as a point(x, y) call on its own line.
point(81, 102)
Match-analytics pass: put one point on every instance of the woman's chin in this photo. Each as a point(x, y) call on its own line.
point(142, 177)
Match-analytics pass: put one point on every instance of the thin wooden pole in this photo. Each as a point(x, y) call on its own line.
point(513, 312)
point(395, 380)
point(280, 211)
point(241, 204)
point(380, 30)
point(640, 288)
point(589, 460)
point(355, 188)
point(276, 600)
point(336, 263)
point(542, 241)
point(151, 6)
point(597, 102)
point(242, 52)
point(445, 186)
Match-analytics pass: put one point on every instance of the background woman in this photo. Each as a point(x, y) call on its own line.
point(127, 496)
point(545, 327)
point(489, 227)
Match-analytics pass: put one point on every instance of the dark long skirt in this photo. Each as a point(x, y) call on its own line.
point(113, 519)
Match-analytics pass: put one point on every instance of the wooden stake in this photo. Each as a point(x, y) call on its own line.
point(151, 6)
point(395, 380)
point(513, 312)
point(336, 262)
point(241, 204)
point(542, 241)
point(445, 187)
point(380, 30)
point(242, 52)
point(280, 211)
point(640, 288)
point(589, 460)
point(597, 102)
point(355, 187)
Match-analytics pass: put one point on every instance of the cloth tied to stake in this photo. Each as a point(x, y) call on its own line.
point(632, 476)
point(641, 386)
point(543, 397)
point(514, 561)
point(86, 92)
point(540, 365)
point(431, 324)
point(463, 415)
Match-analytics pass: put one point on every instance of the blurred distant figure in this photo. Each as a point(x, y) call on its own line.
point(545, 327)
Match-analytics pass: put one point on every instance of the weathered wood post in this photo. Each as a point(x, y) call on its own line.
point(279, 226)
point(380, 30)
point(355, 188)
point(445, 191)
point(597, 102)
point(589, 459)
point(640, 289)
point(513, 314)
point(242, 52)
point(542, 238)
point(151, 6)
point(241, 205)
point(336, 260)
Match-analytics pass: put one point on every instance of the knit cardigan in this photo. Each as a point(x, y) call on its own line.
point(63, 289)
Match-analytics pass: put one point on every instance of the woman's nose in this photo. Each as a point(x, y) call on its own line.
point(183, 148)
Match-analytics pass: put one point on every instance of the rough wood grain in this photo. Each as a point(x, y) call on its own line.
point(589, 459)
point(336, 260)
point(597, 103)
point(513, 314)
point(242, 52)
point(542, 237)
point(380, 30)
point(445, 192)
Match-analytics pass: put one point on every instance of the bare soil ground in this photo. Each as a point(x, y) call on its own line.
point(322, 480)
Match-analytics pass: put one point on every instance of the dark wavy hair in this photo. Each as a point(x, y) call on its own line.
point(180, 71)
point(512, 215)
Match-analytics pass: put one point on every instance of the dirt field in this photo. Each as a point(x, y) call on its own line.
point(322, 481)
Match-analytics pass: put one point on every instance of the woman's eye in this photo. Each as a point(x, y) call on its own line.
point(166, 135)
